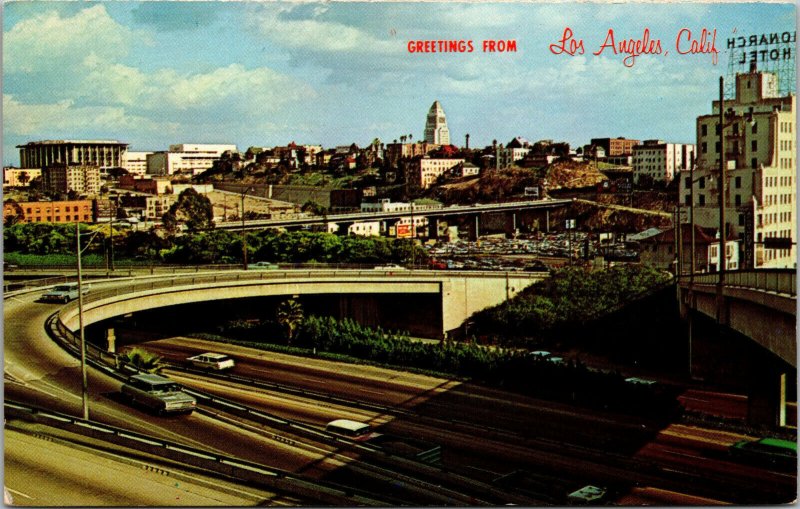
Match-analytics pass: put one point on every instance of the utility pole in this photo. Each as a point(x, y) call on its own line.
point(84, 383)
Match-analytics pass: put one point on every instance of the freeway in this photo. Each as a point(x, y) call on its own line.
point(453, 210)
point(487, 434)
point(555, 444)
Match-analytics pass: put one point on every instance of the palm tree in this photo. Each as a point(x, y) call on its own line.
point(141, 360)
point(289, 315)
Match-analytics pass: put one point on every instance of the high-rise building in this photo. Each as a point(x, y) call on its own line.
point(436, 130)
point(760, 161)
point(100, 153)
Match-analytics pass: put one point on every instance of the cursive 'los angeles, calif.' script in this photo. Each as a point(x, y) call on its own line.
point(685, 44)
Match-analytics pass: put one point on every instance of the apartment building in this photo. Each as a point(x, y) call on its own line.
point(60, 178)
point(19, 177)
point(135, 162)
point(191, 159)
point(615, 146)
point(69, 211)
point(759, 155)
point(661, 161)
point(424, 171)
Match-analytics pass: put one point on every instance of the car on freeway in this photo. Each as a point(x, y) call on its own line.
point(640, 381)
point(354, 430)
point(158, 393)
point(212, 361)
point(587, 495)
point(63, 293)
point(263, 266)
point(767, 451)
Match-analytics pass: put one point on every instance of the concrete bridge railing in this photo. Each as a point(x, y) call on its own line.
point(460, 293)
point(782, 281)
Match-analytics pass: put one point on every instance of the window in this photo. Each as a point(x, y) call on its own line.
point(754, 145)
point(755, 128)
point(716, 147)
point(738, 182)
point(702, 200)
point(741, 219)
point(701, 183)
point(687, 185)
point(703, 130)
point(704, 147)
point(754, 163)
point(687, 200)
point(738, 199)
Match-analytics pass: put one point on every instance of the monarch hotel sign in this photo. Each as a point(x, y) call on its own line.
point(762, 48)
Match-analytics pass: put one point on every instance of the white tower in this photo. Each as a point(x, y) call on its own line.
point(436, 130)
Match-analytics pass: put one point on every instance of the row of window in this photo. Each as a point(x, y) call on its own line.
point(777, 199)
point(786, 163)
point(49, 219)
point(774, 217)
point(785, 127)
point(786, 145)
point(704, 129)
point(29, 210)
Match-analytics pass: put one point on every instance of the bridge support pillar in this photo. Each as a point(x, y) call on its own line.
point(766, 399)
point(433, 228)
point(475, 228)
point(511, 225)
point(111, 340)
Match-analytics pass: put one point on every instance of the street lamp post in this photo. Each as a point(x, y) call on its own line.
point(721, 189)
point(244, 234)
point(81, 333)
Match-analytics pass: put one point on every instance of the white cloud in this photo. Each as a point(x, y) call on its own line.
point(48, 40)
point(235, 86)
point(65, 117)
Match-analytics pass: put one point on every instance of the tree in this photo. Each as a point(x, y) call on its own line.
point(23, 178)
point(193, 209)
point(16, 215)
point(289, 315)
point(141, 359)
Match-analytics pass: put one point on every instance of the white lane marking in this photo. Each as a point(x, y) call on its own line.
point(15, 492)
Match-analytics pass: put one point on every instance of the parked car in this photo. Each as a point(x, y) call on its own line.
point(211, 360)
point(64, 293)
point(158, 393)
point(393, 266)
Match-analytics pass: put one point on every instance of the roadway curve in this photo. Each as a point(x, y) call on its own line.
point(563, 446)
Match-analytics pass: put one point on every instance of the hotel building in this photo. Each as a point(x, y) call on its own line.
point(760, 157)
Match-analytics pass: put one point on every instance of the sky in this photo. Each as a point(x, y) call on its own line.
point(152, 74)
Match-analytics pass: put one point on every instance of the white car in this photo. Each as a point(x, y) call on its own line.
point(390, 267)
point(210, 360)
point(158, 393)
point(64, 293)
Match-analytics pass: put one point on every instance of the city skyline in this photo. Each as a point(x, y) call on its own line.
point(152, 74)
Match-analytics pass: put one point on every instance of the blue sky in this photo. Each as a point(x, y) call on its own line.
point(153, 74)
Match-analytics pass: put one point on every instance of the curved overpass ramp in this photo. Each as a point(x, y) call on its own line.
point(457, 294)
